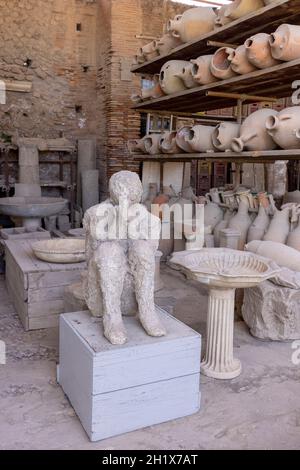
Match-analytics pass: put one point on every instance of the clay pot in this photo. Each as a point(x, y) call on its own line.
point(192, 23)
point(293, 239)
point(221, 226)
point(200, 138)
point(180, 139)
point(169, 81)
point(239, 8)
point(149, 51)
point(139, 59)
point(284, 128)
point(241, 222)
point(151, 144)
point(186, 76)
point(221, 19)
point(201, 70)
point(152, 93)
point(285, 42)
point(254, 135)
point(259, 226)
point(223, 135)
point(258, 51)
point(214, 195)
point(239, 61)
point(213, 214)
point(279, 227)
point(220, 65)
point(282, 255)
point(168, 144)
point(137, 145)
point(166, 43)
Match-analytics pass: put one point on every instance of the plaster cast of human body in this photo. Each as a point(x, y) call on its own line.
point(121, 265)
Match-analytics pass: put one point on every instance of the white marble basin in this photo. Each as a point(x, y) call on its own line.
point(225, 268)
point(60, 250)
point(27, 207)
point(223, 271)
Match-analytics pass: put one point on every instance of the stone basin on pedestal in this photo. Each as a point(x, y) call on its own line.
point(31, 209)
point(223, 271)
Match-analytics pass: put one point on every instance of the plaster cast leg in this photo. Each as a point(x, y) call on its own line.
point(142, 264)
point(112, 264)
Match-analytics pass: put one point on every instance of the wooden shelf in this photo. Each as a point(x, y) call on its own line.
point(272, 82)
point(266, 156)
point(266, 19)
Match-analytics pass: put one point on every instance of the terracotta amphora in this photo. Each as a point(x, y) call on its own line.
point(186, 76)
point(192, 23)
point(137, 145)
point(221, 19)
point(259, 226)
point(200, 138)
point(169, 81)
point(254, 135)
point(239, 61)
point(283, 255)
point(213, 214)
point(239, 8)
point(149, 51)
point(151, 143)
point(258, 51)
point(241, 222)
point(284, 128)
point(279, 227)
point(201, 70)
point(167, 143)
point(293, 239)
point(221, 226)
point(223, 135)
point(166, 43)
point(285, 42)
point(180, 139)
point(152, 93)
point(220, 65)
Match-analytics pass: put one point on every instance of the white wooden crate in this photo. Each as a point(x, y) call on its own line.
point(117, 389)
point(36, 287)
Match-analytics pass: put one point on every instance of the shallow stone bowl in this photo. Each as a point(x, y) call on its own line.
point(61, 250)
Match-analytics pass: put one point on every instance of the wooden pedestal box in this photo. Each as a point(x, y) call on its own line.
point(36, 288)
point(117, 389)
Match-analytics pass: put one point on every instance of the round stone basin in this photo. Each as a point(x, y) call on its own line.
point(60, 250)
point(225, 268)
point(27, 207)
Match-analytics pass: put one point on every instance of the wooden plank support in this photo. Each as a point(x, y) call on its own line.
point(241, 96)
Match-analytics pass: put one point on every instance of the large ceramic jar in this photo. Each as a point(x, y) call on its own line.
point(284, 128)
point(182, 133)
point(239, 8)
point(166, 43)
point(223, 135)
point(254, 135)
point(221, 19)
point(200, 138)
point(220, 65)
point(241, 222)
point(152, 93)
point(149, 51)
point(279, 227)
point(187, 77)
point(169, 80)
point(151, 143)
point(239, 61)
point(137, 145)
point(258, 51)
point(259, 226)
point(167, 143)
point(282, 255)
point(285, 42)
point(192, 23)
point(213, 214)
point(201, 70)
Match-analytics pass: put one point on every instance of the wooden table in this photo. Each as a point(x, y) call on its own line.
point(37, 288)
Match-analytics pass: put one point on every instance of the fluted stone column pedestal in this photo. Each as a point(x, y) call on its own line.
point(219, 362)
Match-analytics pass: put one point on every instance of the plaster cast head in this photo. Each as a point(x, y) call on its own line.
point(125, 186)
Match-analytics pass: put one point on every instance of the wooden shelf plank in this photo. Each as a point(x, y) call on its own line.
point(266, 156)
point(274, 82)
point(266, 19)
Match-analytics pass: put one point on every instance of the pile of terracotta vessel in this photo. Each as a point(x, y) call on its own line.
point(239, 219)
point(195, 22)
point(265, 129)
point(258, 52)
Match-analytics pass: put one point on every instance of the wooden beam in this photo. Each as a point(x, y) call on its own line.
point(240, 96)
